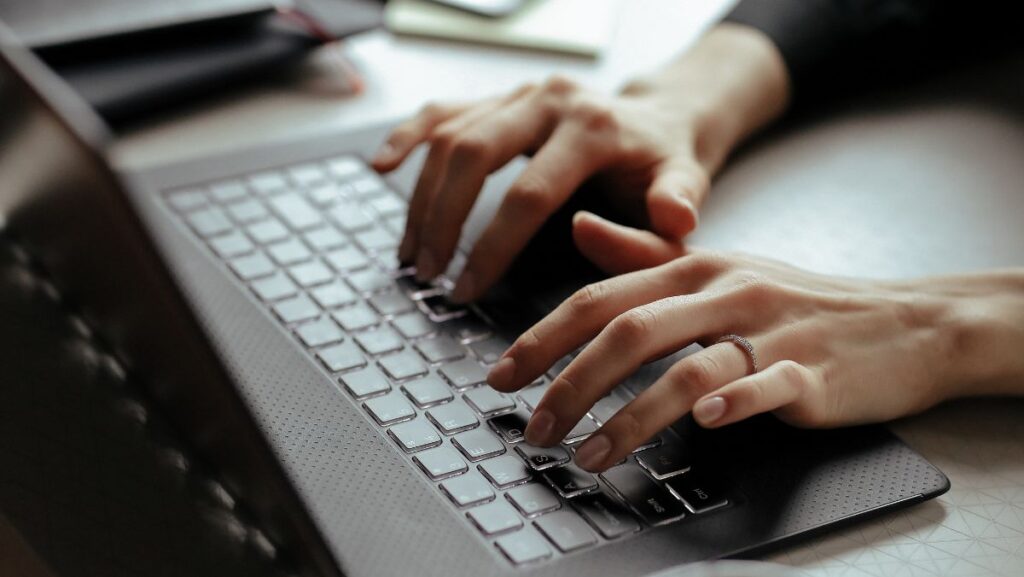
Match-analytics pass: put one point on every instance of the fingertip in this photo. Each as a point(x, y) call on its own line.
point(672, 214)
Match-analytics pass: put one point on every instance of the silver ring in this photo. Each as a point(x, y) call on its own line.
point(744, 344)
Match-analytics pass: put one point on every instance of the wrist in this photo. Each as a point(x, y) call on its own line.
point(984, 335)
point(730, 84)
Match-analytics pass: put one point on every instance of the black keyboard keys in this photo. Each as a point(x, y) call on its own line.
point(570, 481)
point(611, 519)
point(668, 460)
point(700, 493)
point(648, 499)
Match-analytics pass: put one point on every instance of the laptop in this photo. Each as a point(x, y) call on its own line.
point(256, 298)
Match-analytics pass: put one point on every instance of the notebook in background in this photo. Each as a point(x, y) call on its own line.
point(580, 27)
point(51, 22)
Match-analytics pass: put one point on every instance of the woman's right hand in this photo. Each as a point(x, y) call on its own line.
point(652, 149)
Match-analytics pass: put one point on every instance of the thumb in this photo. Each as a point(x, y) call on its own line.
point(678, 188)
point(618, 249)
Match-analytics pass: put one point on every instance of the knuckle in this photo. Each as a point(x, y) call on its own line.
point(795, 374)
point(586, 299)
point(629, 428)
point(559, 85)
point(594, 116)
point(470, 149)
point(698, 373)
point(704, 265)
point(632, 325)
point(431, 111)
point(443, 138)
point(528, 196)
point(527, 345)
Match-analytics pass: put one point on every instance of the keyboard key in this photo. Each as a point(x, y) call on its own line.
point(463, 374)
point(403, 365)
point(396, 224)
point(441, 463)
point(344, 167)
point(414, 325)
point(494, 518)
point(510, 426)
point(427, 392)
point(391, 303)
point(387, 204)
point(356, 317)
point(326, 194)
point(274, 287)
point(581, 431)
point(440, 309)
point(187, 200)
point(325, 238)
point(566, 530)
point(467, 328)
point(228, 191)
point(267, 231)
point(289, 252)
point(319, 333)
point(367, 186)
point(452, 418)
point(489, 402)
point(209, 222)
point(523, 547)
point(606, 407)
point(532, 395)
point(700, 494)
point(571, 481)
point(266, 183)
point(231, 244)
point(295, 211)
point(654, 441)
point(341, 357)
point(559, 366)
point(390, 409)
point(346, 259)
point(365, 383)
point(505, 471)
point(478, 444)
point(296, 309)
point(252, 266)
point(380, 340)
point(611, 519)
point(440, 349)
point(349, 217)
point(333, 295)
point(307, 174)
point(666, 461)
point(247, 211)
point(490, 350)
point(415, 289)
point(468, 489)
point(310, 273)
point(533, 499)
point(415, 436)
point(541, 458)
point(370, 281)
point(648, 499)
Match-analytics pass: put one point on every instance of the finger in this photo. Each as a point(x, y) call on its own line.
point(679, 187)
point(781, 384)
point(633, 338)
point(581, 316)
point(404, 138)
point(662, 404)
point(431, 175)
point(618, 249)
point(475, 152)
point(552, 176)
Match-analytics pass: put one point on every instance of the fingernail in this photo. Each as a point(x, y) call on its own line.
point(709, 410)
point(576, 218)
point(426, 267)
point(384, 154)
point(503, 373)
point(463, 291)
point(593, 452)
point(540, 427)
point(688, 204)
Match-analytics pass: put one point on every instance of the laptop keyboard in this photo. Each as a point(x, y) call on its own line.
point(316, 244)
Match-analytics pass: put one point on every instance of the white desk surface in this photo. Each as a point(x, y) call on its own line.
point(886, 189)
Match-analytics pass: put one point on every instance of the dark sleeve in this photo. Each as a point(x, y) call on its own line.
point(832, 44)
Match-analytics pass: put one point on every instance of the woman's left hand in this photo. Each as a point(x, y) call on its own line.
point(831, 351)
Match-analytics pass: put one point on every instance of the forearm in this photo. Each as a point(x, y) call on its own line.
point(732, 83)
